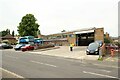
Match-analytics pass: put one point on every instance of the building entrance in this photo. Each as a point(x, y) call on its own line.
point(84, 39)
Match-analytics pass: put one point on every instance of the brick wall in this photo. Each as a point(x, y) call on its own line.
point(99, 34)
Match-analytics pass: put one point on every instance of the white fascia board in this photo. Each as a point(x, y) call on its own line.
point(81, 32)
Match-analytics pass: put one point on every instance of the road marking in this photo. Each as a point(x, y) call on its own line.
point(106, 71)
point(14, 74)
point(35, 52)
point(106, 66)
point(99, 74)
point(44, 63)
point(11, 57)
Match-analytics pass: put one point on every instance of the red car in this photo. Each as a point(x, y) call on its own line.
point(27, 47)
point(112, 46)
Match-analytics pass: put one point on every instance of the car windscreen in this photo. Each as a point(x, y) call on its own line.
point(93, 46)
point(18, 45)
point(100, 42)
point(27, 45)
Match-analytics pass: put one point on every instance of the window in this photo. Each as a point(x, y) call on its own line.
point(53, 37)
point(58, 36)
point(71, 35)
point(64, 36)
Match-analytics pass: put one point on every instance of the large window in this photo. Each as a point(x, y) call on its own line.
point(64, 36)
point(58, 37)
point(71, 35)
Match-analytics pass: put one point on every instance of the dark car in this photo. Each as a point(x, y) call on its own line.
point(93, 48)
point(5, 46)
point(18, 46)
point(100, 42)
point(27, 47)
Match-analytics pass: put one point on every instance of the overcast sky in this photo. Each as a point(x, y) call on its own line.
point(55, 15)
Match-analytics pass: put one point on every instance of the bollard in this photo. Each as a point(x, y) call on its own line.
point(112, 52)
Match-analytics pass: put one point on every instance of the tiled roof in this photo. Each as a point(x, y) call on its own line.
point(9, 36)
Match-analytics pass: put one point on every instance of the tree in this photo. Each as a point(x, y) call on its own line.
point(8, 31)
point(63, 31)
point(28, 26)
point(4, 32)
point(106, 40)
point(13, 33)
point(38, 32)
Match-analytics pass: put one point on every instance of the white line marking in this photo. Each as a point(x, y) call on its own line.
point(12, 73)
point(106, 71)
point(35, 52)
point(99, 74)
point(11, 57)
point(106, 66)
point(44, 63)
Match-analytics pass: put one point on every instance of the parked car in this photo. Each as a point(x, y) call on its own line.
point(112, 46)
point(93, 48)
point(18, 46)
point(36, 46)
point(5, 46)
point(99, 42)
point(27, 47)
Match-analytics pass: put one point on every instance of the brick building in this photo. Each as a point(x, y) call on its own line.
point(9, 38)
point(80, 37)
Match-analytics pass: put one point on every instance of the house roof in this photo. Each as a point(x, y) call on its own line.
point(9, 36)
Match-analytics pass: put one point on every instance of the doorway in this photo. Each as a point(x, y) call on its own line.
point(84, 39)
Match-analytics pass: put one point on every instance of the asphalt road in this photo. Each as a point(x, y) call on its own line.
point(24, 64)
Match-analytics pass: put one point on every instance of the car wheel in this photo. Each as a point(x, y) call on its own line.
point(27, 49)
point(23, 50)
point(98, 53)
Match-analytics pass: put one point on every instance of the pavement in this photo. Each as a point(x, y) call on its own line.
point(77, 53)
point(115, 58)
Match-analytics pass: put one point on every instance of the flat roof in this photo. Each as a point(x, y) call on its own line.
point(74, 31)
point(63, 39)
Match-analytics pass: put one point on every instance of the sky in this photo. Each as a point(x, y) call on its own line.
point(53, 16)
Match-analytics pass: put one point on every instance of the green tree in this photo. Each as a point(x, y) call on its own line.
point(63, 31)
point(13, 33)
point(4, 32)
point(8, 31)
point(28, 26)
point(106, 40)
point(38, 32)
